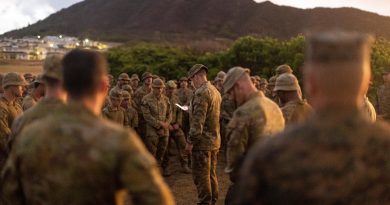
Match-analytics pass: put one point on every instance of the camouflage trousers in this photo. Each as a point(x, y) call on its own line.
point(224, 140)
point(204, 165)
point(176, 141)
point(157, 146)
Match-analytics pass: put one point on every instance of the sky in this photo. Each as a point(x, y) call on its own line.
point(15, 14)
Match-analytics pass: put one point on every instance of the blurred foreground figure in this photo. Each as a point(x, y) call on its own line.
point(256, 118)
point(75, 157)
point(337, 157)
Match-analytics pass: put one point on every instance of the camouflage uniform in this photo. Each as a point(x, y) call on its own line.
point(139, 94)
point(177, 139)
point(227, 108)
point(296, 111)
point(28, 102)
point(116, 114)
point(156, 110)
point(205, 137)
point(185, 96)
point(75, 157)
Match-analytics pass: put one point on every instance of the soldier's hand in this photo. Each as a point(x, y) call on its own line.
point(188, 149)
point(164, 125)
point(176, 126)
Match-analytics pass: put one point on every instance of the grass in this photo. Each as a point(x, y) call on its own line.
point(34, 67)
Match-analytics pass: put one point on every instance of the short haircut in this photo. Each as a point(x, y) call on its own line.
point(83, 70)
point(51, 82)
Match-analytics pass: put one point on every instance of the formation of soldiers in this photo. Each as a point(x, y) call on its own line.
point(73, 136)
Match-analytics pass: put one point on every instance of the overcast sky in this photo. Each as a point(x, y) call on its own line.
point(16, 14)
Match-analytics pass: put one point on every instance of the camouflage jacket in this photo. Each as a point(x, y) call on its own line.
point(75, 157)
point(336, 157)
point(184, 95)
point(204, 118)
point(139, 94)
point(227, 108)
point(8, 112)
point(156, 111)
point(131, 117)
point(44, 108)
point(255, 120)
point(296, 112)
point(177, 113)
point(28, 102)
point(117, 115)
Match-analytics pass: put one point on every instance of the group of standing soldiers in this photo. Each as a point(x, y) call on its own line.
point(278, 148)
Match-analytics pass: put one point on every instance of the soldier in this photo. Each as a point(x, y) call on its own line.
point(258, 79)
point(114, 111)
point(156, 110)
point(218, 81)
point(271, 86)
point(76, 157)
point(204, 137)
point(29, 78)
point(13, 88)
point(123, 80)
point(283, 69)
point(176, 134)
point(111, 80)
point(256, 118)
point(134, 81)
point(36, 94)
point(55, 97)
point(264, 87)
point(295, 109)
point(131, 115)
point(139, 94)
point(337, 157)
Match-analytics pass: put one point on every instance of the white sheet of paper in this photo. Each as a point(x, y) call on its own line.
point(185, 107)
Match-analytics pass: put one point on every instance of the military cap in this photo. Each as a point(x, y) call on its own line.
point(183, 79)
point(13, 79)
point(28, 75)
point(171, 84)
point(52, 67)
point(338, 46)
point(146, 75)
point(116, 94)
point(232, 76)
point(124, 76)
point(220, 76)
point(126, 95)
point(195, 69)
point(283, 69)
point(135, 77)
point(127, 88)
point(272, 81)
point(158, 83)
point(286, 82)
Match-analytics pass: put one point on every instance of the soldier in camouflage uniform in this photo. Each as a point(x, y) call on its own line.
point(134, 81)
point(204, 137)
point(55, 97)
point(139, 94)
point(295, 109)
point(9, 109)
point(271, 86)
point(177, 139)
point(256, 118)
point(131, 115)
point(156, 110)
point(29, 78)
point(185, 94)
point(337, 157)
point(114, 111)
point(75, 157)
point(123, 79)
point(264, 87)
point(218, 81)
point(36, 94)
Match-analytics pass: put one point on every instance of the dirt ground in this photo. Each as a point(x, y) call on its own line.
point(34, 67)
point(184, 189)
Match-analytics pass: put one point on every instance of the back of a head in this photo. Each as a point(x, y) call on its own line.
point(83, 70)
point(338, 63)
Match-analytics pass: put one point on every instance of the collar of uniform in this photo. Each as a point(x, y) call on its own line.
point(6, 101)
point(78, 108)
point(255, 94)
point(338, 113)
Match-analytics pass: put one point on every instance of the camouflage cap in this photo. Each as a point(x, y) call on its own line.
point(283, 69)
point(272, 81)
point(134, 77)
point(183, 79)
point(171, 84)
point(116, 94)
point(286, 82)
point(52, 67)
point(158, 83)
point(127, 88)
point(232, 76)
point(124, 76)
point(126, 95)
point(146, 75)
point(195, 69)
point(13, 79)
point(220, 76)
point(338, 46)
